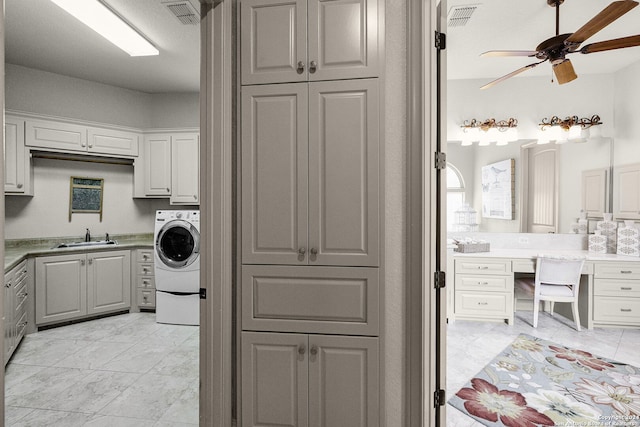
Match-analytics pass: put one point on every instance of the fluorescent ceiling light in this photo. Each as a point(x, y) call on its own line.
point(105, 22)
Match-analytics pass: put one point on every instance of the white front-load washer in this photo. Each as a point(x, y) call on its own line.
point(177, 267)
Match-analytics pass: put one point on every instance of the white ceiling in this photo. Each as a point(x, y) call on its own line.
point(41, 35)
point(522, 25)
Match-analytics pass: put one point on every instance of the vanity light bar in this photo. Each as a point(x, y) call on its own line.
point(109, 25)
point(501, 131)
point(570, 121)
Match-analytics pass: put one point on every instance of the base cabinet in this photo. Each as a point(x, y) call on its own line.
point(73, 286)
point(616, 294)
point(145, 279)
point(309, 380)
point(15, 308)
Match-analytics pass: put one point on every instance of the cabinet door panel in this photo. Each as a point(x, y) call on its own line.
point(343, 381)
point(185, 169)
point(274, 174)
point(157, 165)
point(59, 136)
point(274, 379)
point(343, 39)
point(109, 281)
point(61, 288)
point(109, 141)
point(626, 187)
point(344, 173)
point(16, 159)
point(273, 41)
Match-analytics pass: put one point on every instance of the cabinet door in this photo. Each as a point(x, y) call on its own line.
point(56, 135)
point(273, 41)
point(274, 380)
point(344, 172)
point(108, 281)
point(595, 192)
point(626, 187)
point(343, 39)
point(109, 141)
point(157, 165)
point(343, 381)
point(185, 169)
point(17, 164)
point(274, 174)
point(61, 288)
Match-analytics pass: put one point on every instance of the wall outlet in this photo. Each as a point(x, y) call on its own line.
point(523, 240)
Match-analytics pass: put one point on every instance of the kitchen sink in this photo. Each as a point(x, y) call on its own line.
point(86, 244)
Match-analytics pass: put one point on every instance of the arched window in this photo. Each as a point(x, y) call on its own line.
point(455, 194)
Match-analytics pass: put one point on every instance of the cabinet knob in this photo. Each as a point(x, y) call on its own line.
point(314, 350)
point(313, 251)
point(90, 261)
point(82, 262)
point(302, 251)
point(313, 66)
point(19, 185)
point(168, 190)
point(195, 197)
point(301, 350)
point(300, 68)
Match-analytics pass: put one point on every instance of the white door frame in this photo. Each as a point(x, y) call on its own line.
point(2, 203)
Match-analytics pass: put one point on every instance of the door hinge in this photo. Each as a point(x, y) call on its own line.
point(439, 280)
point(203, 293)
point(441, 160)
point(439, 397)
point(441, 41)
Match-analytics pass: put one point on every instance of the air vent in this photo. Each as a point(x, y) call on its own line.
point(460, 15)
point(184, 11)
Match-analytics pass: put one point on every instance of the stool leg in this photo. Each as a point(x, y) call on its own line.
point(576, 314)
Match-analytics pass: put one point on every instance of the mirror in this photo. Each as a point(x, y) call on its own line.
point(529, 100)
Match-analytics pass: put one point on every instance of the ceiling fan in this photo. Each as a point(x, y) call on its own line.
point(555, 49)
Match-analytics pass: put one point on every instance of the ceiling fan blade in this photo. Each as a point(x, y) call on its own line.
point(620, 43)
point(509, 53)
point(564, 72)
point(609, 14)
point(511, 74)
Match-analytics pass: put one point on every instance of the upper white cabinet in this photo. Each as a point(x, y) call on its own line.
point(70, 137)
point(626, 192)
point(307, 40)
point(185, 169)
point(169, 166)
point(595, 192)
point(17, 159)
point(310, 173)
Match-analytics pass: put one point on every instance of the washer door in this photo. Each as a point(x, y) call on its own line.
point(178, 244)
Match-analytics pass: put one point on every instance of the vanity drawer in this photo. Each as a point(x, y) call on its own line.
point(145, 270)
point(481, 303)
point(616, 309)
point(529, 266)
point(145, 255)
point(621, 270)
point(477, 282)
point(146, 282)
point(616, 287)
point(482, 266)
point(146, 298)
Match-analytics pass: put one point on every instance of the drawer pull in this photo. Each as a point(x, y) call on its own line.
point(626, 271)
point(483, 283)
point(625, 310)
point(483, 303)
point(625, 288)
point(483, 267)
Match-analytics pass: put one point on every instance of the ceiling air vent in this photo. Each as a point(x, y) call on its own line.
point(460, 15)
point(184, 11)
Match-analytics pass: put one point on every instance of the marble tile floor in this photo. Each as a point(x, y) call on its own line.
point(471, 345)
point(124, 370)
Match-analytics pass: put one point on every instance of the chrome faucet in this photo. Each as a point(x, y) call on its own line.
point(87, 237)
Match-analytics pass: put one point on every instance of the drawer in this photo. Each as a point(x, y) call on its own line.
point(21, 326)
point(482, 266)
point(20, 272)
point(144, 255)
point(21, 298)
point(310, 299)
point(146, 282)
point(617, 310)
point(480, 282)
point(145, 270)
point(616, 287)
point(494, 304)
point(529, 266)
point(146, 298)
point(620, 270)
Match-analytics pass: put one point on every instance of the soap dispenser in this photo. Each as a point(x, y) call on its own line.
point(87, 237)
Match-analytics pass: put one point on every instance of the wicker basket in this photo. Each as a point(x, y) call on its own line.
point(468, 248)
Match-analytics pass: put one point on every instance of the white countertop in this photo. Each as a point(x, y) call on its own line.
point(533, 253)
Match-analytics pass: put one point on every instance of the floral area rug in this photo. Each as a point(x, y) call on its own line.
point(534, 382)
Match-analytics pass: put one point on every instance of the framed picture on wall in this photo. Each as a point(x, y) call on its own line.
point(498, 190)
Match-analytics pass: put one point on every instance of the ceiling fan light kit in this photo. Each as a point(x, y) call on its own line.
point(556, 48)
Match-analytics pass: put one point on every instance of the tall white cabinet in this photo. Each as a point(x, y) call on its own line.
point(311, 291)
